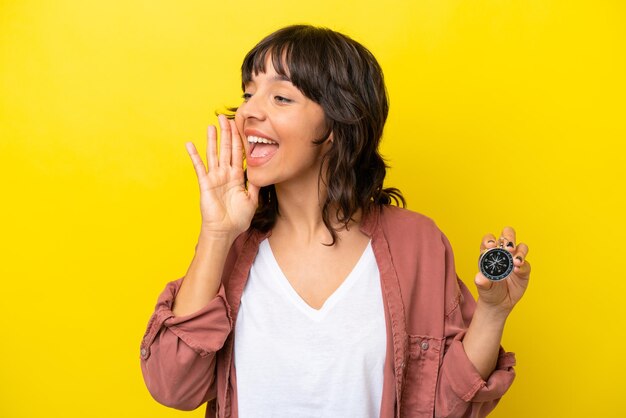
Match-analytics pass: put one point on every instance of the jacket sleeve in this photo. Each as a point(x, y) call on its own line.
point(178, 353)
point(461, 391)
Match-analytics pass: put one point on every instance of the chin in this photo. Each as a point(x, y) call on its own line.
point(257, 180)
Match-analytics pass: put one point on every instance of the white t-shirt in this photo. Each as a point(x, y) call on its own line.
point(295, 361)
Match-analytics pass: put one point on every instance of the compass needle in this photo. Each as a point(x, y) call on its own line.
point(496, 264)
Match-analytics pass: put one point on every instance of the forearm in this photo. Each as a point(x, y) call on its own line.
point(203, 278)
point(483, 338)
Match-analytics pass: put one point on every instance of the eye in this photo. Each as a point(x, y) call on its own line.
point(281, 99)
point(246, 96)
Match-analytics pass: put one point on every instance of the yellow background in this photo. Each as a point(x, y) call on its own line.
point(502, 112)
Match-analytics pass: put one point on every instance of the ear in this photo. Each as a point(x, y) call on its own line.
point(327, 145)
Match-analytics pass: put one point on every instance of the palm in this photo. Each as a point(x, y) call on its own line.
point(506, 293)
point(224, 201)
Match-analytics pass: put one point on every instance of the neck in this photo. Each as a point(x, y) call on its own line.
point(300, 220)
point(300, 210)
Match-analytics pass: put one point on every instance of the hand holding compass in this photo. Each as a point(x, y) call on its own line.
point(504, 271)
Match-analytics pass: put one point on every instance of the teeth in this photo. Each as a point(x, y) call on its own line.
point(259, 140)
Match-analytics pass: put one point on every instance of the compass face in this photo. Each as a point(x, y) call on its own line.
point(496, 264)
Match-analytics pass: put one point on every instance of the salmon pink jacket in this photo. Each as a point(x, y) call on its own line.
point(187, 361)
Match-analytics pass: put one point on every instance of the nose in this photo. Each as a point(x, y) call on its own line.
point(252, 108)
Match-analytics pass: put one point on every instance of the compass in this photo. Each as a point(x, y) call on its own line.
point(496, 263)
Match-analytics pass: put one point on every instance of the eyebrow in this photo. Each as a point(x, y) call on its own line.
point(277, 77)
point(280, 77)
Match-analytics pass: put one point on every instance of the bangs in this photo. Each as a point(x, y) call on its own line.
point(300, 54)
point(255, 61)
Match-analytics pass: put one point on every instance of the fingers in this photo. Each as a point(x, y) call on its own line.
point(523, 271)
point(482, 282)
point(489, 241)
point(237, 146)
point(198, 164)
point(231, 148)
point(508, 238)
point(211, 149)
point(520, 255)
point(225, 141)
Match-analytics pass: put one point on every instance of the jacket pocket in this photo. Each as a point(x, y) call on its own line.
point(420, 380)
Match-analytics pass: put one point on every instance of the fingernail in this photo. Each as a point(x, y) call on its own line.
point(519, 258)
point(510, 244)
point(490, 241)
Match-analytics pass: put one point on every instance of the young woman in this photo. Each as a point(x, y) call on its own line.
point(309, 294)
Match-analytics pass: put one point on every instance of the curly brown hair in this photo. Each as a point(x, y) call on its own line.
point(344, 78)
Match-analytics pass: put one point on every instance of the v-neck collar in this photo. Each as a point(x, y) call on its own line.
point(335, 297)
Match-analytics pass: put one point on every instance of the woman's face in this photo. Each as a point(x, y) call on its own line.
point(278, 125)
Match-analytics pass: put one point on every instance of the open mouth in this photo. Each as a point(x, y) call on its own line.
point(260, 149)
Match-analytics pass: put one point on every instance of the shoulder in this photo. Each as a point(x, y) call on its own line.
point(411, 236)
point(404, 224)
point(248, 241)
point(242, 253)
